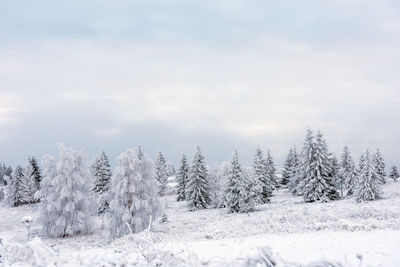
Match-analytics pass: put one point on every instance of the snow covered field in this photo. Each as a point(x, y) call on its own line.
point(340, 231)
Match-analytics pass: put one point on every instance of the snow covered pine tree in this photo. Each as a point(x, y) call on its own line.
point(316, 182)
point(262, 173)
point(101, 173)
point(182, 178)
point(197, 192)
point(347, 172)
point(29, 184)
point(161, 173)
point(68, 202)
point(379, 164)
point(287, 168)
point(394, 173)
point(13, 192)
point(134, 200)
point(368, 180)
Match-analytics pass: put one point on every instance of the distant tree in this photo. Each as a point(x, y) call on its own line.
point(217, 182)
point(170, 169)
point(13, 192)
point(368, 180)
point(134, 200)
point(335, 171)
point(347, 173)
point(5, 171)
point(286, 172)
point(182, 178)
point(264, 174)
point(294, 172)
point(197, 190)
point(316, 183)
point(394, 173)
point(379, 164)
point(234, 185)
point(101, 173)
point(36, 173)
point(29, 184)
point(250, 189)
point(161, 173)
point(271, 169)
point(67, 205)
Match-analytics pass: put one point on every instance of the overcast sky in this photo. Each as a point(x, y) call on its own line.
point(225, 75)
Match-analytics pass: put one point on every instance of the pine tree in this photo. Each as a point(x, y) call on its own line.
point(161, 173)
point(347, 173)
point(335, 177)
point(234, 185)
point(197, 191)
point(394, 173)
point(170, 169)
point(182, 178)
point(271, 170)
point(29, 184)
point(262, 173)
point(286, 172)
point(101, 174)
point(67, 206)
point(379, 164)
point(13, 192)
point(368, 180)
point(294, 172)
point(305, 161)
point(316, 182)
point(134, 200)
point(36, 173)
point(217, 182)
point(250, 189)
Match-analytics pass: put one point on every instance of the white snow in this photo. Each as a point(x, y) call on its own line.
point(297, 232)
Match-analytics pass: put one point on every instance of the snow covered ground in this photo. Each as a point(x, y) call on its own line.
point(341, 231)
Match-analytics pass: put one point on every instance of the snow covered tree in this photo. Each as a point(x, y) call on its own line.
point(182, 178)
point(134, 195)
point(101, 174)
point(335, 177)
point(29, 184)
point(197, 191)
point(68, 202)
point(170, 169)
point(36, 173)
point(379, 164)
point(347, 173)
point(13, 190)
point(293, 171)
point(305, 161)
point(234, 185)
point(161, 173)
point(286, 172)
point(263, 173)
point(250, 189)
point(5, 171)
point(316, 172)
point(394, 173)
point(271, 170)
point(217, 182)
point(368, 180)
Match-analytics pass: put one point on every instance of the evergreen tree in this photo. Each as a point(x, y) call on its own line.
point(36, 173)
point(305, 161)
point(286, 172)
point(134, 200)
point(161, 173)
point(66, 209)
point(29, 184)
point(347, 172)
point(234, 185)
point(316, 182)
point(197, 191)
point(13, 190)
point(101, 173)
point(379, 164)
point(368, 180)
point(394, 173)
point(170, 169)
point(217, 182)
point(250, 189)
point(271, 170)
point(335, 177)
point(294, 171)
point(263, 173)
point(182, 178)
point(2, 174)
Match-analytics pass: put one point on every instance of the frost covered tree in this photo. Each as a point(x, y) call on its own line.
point(170, 169)
point(29, 184)
point(394, 173)
point(66, 192)
point(250, 189)
point(134, 195)
point(5, 171)
point(286, 172)
point(36, 173)
point(161, 173)
point(101, 174)
point(234, 185)
point(197, 190)
point(316, 182)
point(271, 169)
point(379, 164)
point(347, 173)
point(13, 192)
point(263, 173)
point(217, 182)
point(182, 178)
point(368, 183)
point(293, 171)
point(335, 169)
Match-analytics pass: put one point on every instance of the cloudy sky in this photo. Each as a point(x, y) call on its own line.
point(170, 75)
